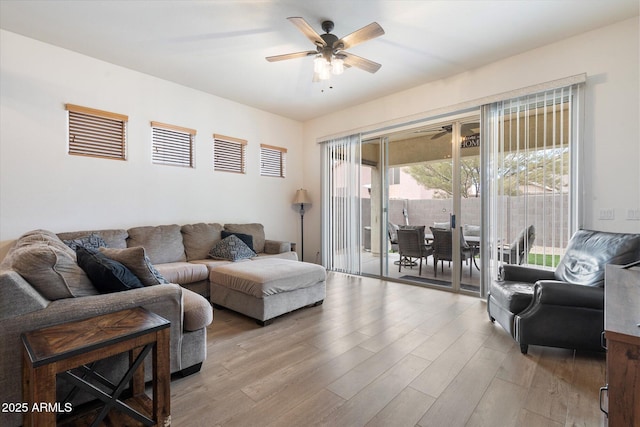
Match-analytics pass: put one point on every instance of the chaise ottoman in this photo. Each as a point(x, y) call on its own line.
point(266, 288)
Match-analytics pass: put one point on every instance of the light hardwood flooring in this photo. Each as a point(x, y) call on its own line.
point(379, 353)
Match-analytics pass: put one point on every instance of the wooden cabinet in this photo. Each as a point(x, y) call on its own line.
point(622, 333)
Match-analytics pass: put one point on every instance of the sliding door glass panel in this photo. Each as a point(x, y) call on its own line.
point(533, 165)
point(419, 173)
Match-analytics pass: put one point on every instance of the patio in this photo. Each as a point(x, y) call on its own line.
point(469, 282)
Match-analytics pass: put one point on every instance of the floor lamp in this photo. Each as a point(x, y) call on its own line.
point(301, 198)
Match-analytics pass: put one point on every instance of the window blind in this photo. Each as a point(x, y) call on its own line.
point(96, 133)
point(229, 154)
point(272, 161)
point(532, 181)
point(341, 207)
point(172, 145)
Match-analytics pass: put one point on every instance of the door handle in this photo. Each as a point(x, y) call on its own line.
point(602, 390)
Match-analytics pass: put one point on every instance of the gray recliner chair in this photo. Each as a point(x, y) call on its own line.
point(561, 308)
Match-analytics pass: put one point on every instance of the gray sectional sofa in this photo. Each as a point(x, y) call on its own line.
point(41, 284)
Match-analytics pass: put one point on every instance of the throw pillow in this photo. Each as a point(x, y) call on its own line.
point(106, 274)
point(92, 241)
point(52, 271)
point(246, 238)
point(136, 260)
point(231, 248)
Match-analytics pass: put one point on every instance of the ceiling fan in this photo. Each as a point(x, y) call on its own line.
point(330, 54)
point(445, 130)
point(467, 129)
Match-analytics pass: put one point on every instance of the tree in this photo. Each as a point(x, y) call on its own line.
point(438, 176)
point(544, 168)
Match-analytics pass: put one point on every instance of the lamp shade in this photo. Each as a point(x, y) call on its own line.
point(301, 198)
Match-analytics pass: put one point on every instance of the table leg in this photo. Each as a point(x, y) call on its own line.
point(39, 388)
point(161, 380)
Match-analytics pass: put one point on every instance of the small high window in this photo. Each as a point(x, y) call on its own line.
point(97, 133)
point(272, 161)
point(173, 145)
point(229, 154)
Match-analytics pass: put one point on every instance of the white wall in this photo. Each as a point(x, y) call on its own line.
point(609, 57)
point(41, 186)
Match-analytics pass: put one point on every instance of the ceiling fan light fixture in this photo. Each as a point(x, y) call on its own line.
point(325, 73)
point(337, 66)
point(319, 64)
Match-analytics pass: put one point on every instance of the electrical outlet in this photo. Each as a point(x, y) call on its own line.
point(633, 214)
point(607, 214)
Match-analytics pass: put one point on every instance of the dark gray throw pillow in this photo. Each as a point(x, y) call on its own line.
point(106, 274)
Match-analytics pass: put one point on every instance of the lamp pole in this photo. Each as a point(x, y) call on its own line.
point(301, 198)
point(301, 231)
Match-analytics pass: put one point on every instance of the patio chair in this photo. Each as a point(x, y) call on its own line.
point(411, 245)
point(443, 249)
point(517, 252)
point(392, 230)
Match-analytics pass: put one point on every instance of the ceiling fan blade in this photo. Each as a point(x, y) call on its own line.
point(307, 30)
point(368, 32)
point(352, 60)
point(290, 56)
point(445, 130)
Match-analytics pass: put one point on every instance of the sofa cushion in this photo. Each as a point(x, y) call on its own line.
point(92, 241)
point(247, 239)
point(198, 239)
point(163, 243)
point(197, 310)
point(255, 230)
point(114, 238)
point(106, 274)
point(183, 273)
point(136, 260)
point(231, 248)
point(267, 277)
point(52, 271)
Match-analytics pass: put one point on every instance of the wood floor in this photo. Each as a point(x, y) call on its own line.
point(380, 353)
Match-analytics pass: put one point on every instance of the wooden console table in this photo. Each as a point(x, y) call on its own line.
point(61, 348)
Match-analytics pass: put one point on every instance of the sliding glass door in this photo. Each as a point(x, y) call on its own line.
point(432, 181)
point(424, 176)
point(502, 184)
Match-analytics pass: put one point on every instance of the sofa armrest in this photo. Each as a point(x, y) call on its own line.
point(276, 246)
point(17, 296)
point(554, 292)
point(164, 300)
point(519, 273)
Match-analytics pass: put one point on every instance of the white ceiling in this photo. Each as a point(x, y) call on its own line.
point(219, 46)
